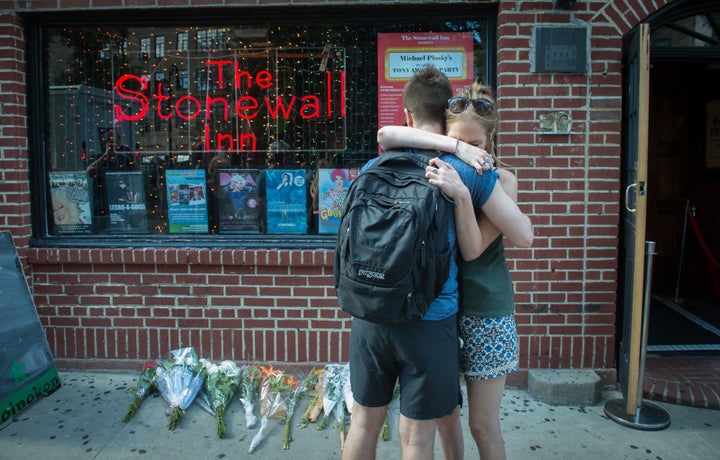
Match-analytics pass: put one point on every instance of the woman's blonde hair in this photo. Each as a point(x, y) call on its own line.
point(489, 121)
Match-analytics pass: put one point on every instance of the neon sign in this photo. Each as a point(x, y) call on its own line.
point(140, 102)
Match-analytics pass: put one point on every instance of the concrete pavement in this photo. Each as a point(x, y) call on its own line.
point(83, 420)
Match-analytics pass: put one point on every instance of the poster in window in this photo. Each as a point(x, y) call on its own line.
point(70, 202)
point(286, 197)
point(126, 201)
point(238, 200)
point(401, 54)
point(332, 187)
point(187, 201)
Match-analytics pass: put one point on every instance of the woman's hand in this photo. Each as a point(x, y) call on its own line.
point(479, 159)
point(447, 178)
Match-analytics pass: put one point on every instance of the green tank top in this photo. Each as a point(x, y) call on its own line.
point(487, 288)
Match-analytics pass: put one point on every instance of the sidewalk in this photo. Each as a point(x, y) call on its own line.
point(83, 420)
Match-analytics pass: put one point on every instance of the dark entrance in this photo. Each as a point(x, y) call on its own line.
point(684, 189)
point(683, 194)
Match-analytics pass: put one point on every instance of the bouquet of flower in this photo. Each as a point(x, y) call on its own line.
point(275, 391)
point(220, 385)
point(347, 392)
point(249, 385)
point(305, 385)
point(179, 381)
point(145, 384)
point(316, 403)
point(343, 387)
point(203, 400)
point(315, 406)
point(333, 391)
point(385, 432)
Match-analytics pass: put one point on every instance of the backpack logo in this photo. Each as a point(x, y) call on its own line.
point(392, 255)
point(370, 275)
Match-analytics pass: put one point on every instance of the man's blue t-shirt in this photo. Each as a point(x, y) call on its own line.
point(480, 187)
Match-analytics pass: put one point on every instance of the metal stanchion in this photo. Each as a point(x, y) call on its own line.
point(645, 416)
point(682, 252)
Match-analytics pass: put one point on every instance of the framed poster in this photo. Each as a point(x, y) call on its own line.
point(187, 201)
point(332, 187)
point(70, 202)
point(238, 200)
point(286, 200)
point(126, 201)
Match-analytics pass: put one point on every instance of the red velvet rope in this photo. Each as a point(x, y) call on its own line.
point(709, 258)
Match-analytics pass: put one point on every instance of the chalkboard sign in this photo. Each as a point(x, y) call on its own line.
point(27, 369)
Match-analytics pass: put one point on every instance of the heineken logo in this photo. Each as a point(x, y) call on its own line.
point(31, 392)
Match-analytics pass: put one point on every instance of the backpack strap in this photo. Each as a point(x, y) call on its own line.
point(420, 158)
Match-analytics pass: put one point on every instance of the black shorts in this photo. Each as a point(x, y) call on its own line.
point(424, 355)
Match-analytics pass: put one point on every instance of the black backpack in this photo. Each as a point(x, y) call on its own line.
point(392, 255)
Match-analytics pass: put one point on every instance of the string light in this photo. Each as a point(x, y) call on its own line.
point(95, 58)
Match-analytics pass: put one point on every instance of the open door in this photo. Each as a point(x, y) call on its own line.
point(634, 212)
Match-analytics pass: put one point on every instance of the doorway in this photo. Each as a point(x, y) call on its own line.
point(683, 215)
point(682, 197)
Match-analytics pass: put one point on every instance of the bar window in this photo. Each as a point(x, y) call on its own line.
point(229, 134)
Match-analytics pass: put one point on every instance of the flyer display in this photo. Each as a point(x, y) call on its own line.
point(286, 197)
point(400, 55)
point(333, 185)
point(70, 202)
point(238, 200)
point(187, 201)
point(126, 201)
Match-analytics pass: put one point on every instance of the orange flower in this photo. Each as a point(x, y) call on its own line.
point(291, 381)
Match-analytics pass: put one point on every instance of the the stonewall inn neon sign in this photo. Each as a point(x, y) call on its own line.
point(140, 103)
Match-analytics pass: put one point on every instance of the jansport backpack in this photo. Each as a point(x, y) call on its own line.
point(392, 255)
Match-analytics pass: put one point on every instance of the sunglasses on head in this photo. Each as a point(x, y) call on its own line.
point(458, 104)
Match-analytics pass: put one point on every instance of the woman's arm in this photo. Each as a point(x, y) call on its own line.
point(500, 212)
point(469, 235)
point(503, 213)
point(389, 137)
point(490, 232)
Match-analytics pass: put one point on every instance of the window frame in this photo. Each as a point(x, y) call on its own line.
point(352, 16)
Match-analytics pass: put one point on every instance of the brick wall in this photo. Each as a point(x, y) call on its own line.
point(114, 308)
point(129, 305)
point(569, 183)
point(14, 168)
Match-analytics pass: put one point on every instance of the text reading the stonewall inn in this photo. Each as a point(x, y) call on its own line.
point(133, 89)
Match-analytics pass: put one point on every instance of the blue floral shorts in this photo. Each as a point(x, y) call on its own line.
point(490, 347)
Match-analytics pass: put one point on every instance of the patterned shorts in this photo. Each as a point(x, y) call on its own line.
point(490, 347)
